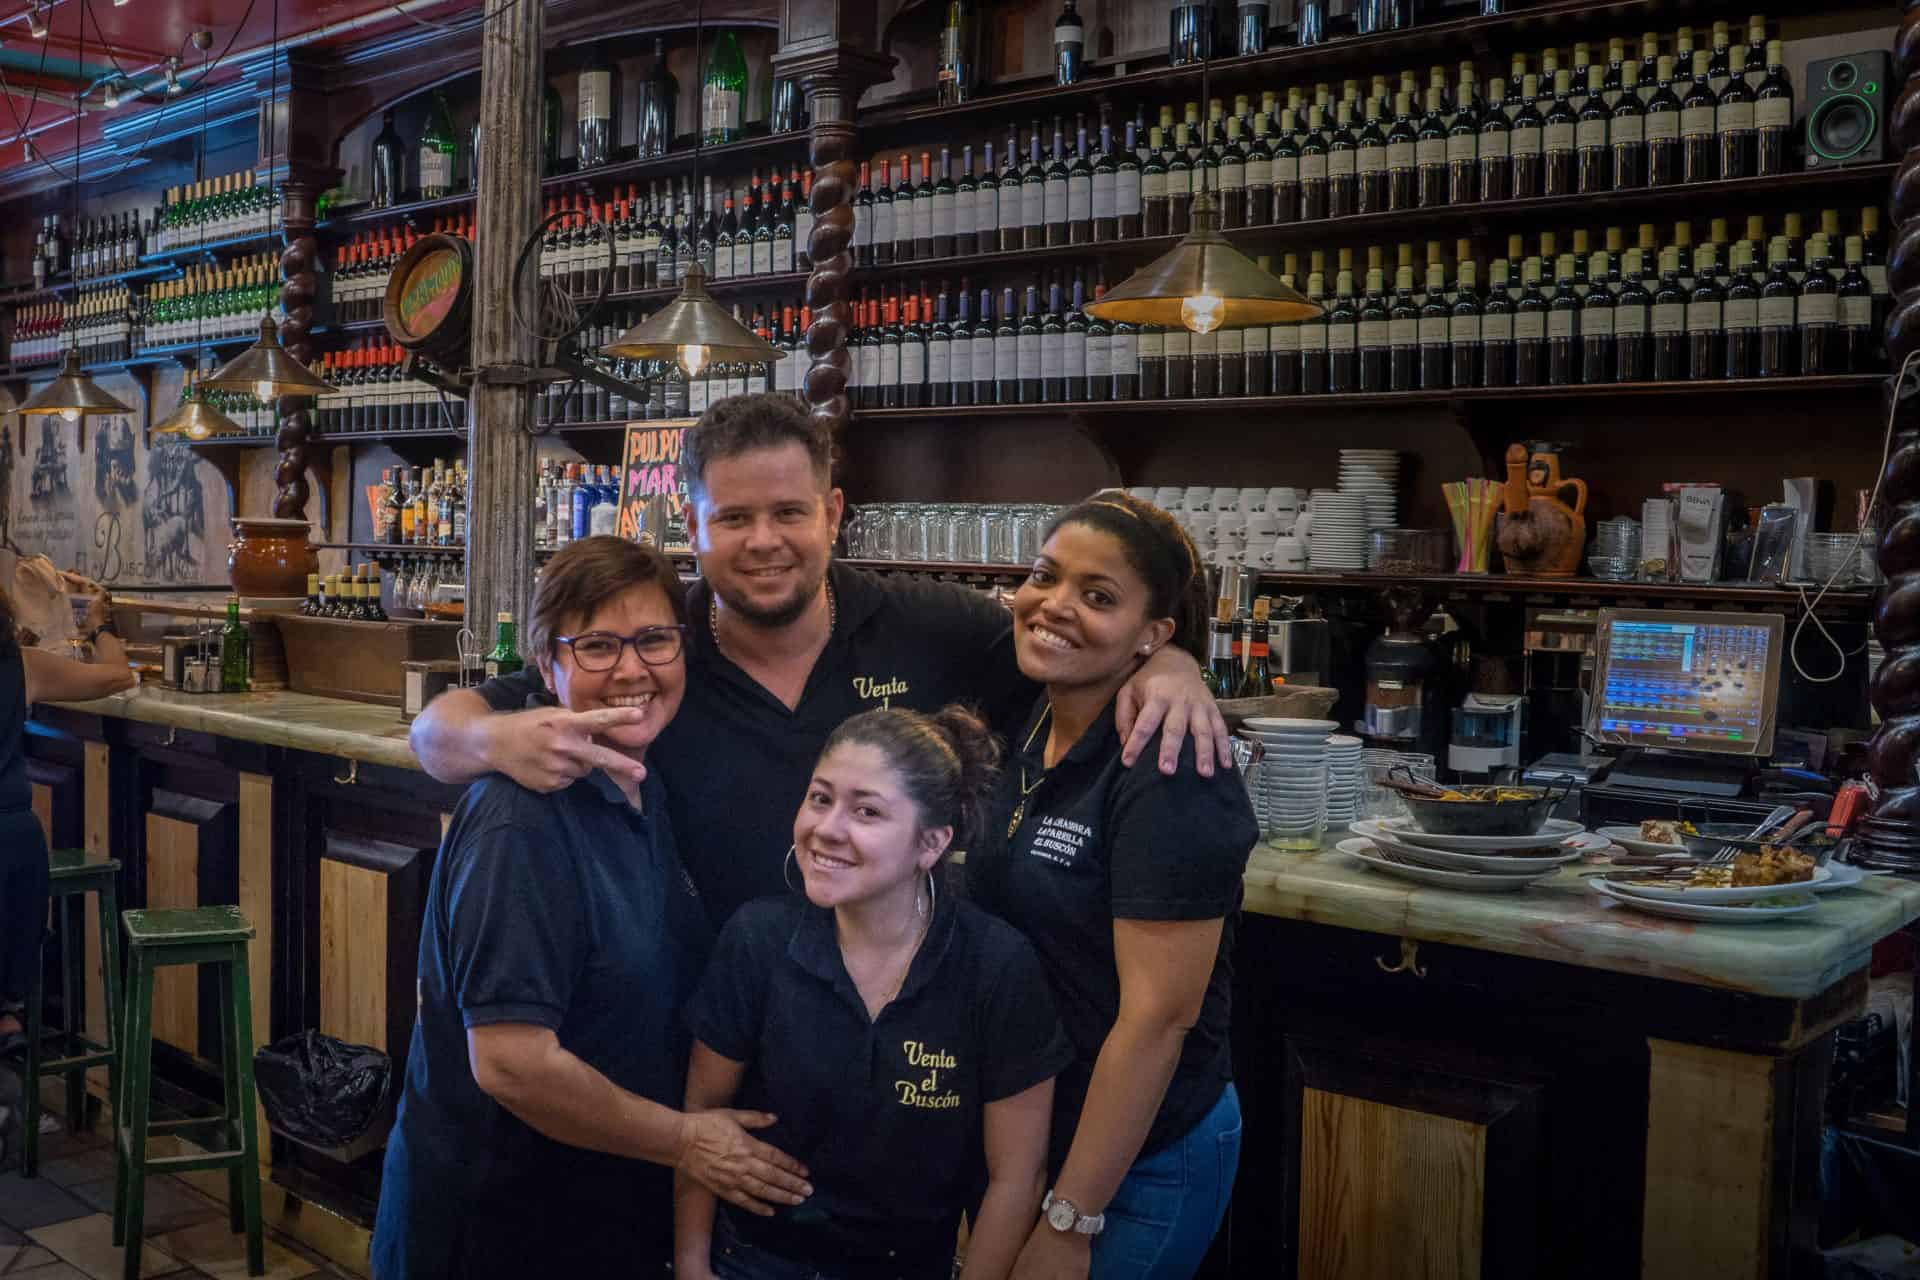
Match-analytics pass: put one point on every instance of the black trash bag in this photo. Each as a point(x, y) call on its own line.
point(319, 1090)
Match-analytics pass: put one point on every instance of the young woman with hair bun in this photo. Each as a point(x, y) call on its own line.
point(905, 1041)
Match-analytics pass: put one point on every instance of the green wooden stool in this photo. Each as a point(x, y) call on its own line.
point(187, 936)
point(72, 875)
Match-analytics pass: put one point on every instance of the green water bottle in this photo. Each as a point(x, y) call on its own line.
point(503, 659)
point(236, 651)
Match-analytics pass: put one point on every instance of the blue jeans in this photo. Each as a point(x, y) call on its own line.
point(1163, 1218)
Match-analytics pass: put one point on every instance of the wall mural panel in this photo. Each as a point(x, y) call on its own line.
point(122, 512)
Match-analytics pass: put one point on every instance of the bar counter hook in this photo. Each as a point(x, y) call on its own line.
point(352, 775)
point(1409, 960)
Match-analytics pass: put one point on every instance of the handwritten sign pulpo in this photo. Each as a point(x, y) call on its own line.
point(650, 465)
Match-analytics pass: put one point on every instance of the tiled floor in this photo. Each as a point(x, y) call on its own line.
point(59, 1226)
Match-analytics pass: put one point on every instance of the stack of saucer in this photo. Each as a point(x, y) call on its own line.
point(1339, 531)
point(1289, 785)
point(1343, 780)
point(1373, 475)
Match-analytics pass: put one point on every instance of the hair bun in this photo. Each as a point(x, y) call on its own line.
point(978, 749)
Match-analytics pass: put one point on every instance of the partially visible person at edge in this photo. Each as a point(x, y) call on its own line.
point(1127, 881)
point(785, 645)
point(28, 676)
point(539, 1129)
point(943, 1008)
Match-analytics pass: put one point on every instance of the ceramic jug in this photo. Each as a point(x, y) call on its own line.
point(1541, 536)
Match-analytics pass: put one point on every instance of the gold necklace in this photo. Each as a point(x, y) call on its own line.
point(1027, 788)
point(926, 922)
point(713, 613)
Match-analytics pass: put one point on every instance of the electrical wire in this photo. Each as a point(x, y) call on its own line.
point(1848, 562)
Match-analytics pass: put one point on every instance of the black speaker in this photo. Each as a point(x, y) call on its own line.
point(1848, 99)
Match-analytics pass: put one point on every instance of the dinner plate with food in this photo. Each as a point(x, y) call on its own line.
point(1653, 838)
point(1755, 912)
point(1750, 877)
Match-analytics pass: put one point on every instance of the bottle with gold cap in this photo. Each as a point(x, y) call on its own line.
point(1374, 330)
point(1596, 324)
point(1734, 121)
point(1669, 320)
point(1530, 329)
point(1343, 357)
point(1741, 310)
point(1699, 146)
point(1632, 307)
point(1283, 340)
point(1859, 340)
point(1527, 141)
point(1772, 114)
point(1663, 129)
point(1779, 348)
point(1496, 328)
point(1313, 332)
point(1819, 312)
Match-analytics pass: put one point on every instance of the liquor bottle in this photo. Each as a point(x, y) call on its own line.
point(1860, 336)
point(1033, 195)
point(1819, 313)
point(659, 98)
point(375, 611)
point(387, 166)
point(1257, 680)
point(1313, 171)
point(1740, 308)
point(1056, 209)
point(1373, 335)
point(982, 352)
point(315, 600)
point(1593, 148)
point(1343, 362)
point(596, 131)
point(236, 651)
point(1436, 324)
point(922, 206)
point(723, 90)
point(1189, 33)
point(1669, 320)
point(1222, 673)
point(1530, 329)
point(959, 51)
point(1006, 352)
point(1772, 116)
point(439, 147)
point(1699, 143)
point(1664, 166)
point(1069, 41)
point(1632, 337)
point(503, 659)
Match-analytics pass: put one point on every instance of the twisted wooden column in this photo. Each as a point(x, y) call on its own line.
point(830, 284)
point(299, 272)
point(1895, 691)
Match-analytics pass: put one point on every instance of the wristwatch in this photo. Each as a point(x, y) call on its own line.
point(1064, 1216)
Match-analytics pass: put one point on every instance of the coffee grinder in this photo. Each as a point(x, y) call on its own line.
point(1406, 706)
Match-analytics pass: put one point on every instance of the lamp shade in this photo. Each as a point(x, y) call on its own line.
point(72, 395)
point(266, 370)
point(197, 420)
point(692, 321)
point(1203, 283)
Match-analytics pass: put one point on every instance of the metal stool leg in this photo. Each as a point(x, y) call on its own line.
point(73, 945)
point(36, 996)
point(139, 1076)
point(109, 906)
point(238, 988)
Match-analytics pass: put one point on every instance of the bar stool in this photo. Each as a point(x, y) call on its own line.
point(187, 936)
point(71, 875)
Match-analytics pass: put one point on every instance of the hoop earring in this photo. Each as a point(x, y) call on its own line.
point(786, 862)
point(927, 909)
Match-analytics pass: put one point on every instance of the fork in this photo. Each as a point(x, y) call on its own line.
point(1727, 852)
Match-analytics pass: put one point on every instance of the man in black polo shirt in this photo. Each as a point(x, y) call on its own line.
point(785, 645)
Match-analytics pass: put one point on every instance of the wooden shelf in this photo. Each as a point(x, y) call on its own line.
point(388, 437)
point(214, 248)
point(268, 441)
point(390, 549)
point(1856, 600)
point(778, 282)
point(152, 271)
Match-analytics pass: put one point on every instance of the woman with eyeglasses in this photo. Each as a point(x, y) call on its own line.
point(539, 1129)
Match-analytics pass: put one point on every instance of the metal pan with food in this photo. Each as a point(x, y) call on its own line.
point(1500, 810)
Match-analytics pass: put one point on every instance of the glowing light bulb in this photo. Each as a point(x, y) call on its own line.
point(263, 391)
point(198, 431)
point(693, 358)
point(70, 415)
point(112, 98)
point(1202, 312)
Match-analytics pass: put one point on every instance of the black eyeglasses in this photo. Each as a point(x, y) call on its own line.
point(600, 650)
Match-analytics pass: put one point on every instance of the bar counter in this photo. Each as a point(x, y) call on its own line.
point(1518, 1084)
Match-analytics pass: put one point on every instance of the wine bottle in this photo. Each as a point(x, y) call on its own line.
point(596, 137)
point(1069, 41)
point(1663, 130)
point(1740, 307)
point(1464, 327)
point(1528, 144)
point(1286, 172)
point(1772, 116)
point(1373, 335)
point(1561, 135)
point(1819, 312)
point(1593, 144)
point(439, 148)
point(1699, 144)
point(386, 166)
point(1632, 339)
point(1463, 149)
point(723, 89)
point(959, 46)
point(1734, 121)
point(1436, 322)
point(1530, 329)
point(1669, 320)
point(1430, 154)
point(1779, 308)
point(1860, 336)
point(658, 98)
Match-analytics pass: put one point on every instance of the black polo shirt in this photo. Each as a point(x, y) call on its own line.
point(736, 761)
point(1098, 841)
point(886, 1114)
point(568, 911)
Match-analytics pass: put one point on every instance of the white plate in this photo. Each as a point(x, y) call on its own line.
point(1702, 911)
point(1289, 724)
point(1454, 860)
point(1845, 876)
point(1618, 880)
point(1553, 832)
point(1628, 838)
point(1364, 852)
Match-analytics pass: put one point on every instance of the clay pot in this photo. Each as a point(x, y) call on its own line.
point(270, 557)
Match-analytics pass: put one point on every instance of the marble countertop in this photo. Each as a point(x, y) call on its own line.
point(1561, 919)
point(300, 721)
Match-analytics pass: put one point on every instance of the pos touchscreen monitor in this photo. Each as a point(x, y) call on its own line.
point(1705, 682)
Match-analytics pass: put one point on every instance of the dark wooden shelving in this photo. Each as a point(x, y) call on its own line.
point(151, 271)
point(214, 248)
point(234, 442)
point(392, 438)
point(390, 549)
point(778, 282)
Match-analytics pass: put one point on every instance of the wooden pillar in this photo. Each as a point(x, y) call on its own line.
point(499, 446)
point(829, 47)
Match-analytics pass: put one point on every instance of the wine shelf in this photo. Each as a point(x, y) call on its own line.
point(214, 248)
point(66, 285)
point(391, 549)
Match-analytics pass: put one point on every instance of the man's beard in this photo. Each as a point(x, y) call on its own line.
point(771, 619)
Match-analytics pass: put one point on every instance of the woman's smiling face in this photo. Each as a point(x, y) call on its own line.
point(858, 835)
point(1081, 617)
point(656, 690)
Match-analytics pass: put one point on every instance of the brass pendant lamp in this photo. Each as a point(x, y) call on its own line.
point(73, 395)
point(266, 369)
point(1203, 283)
point(693, 329)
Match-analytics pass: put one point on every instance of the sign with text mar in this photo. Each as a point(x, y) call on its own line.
point(650, 466)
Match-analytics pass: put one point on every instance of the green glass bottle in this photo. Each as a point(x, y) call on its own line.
point(503, 659)
point(236, 651)
point(439, 151)
point(723, 91)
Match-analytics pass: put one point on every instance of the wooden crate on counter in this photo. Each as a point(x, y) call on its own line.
point(361, 661)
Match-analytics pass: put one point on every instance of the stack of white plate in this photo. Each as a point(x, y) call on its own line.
point(1339, 532)
point(1344, 772)
point(1374, 475)
point(1289, 785)
point(1675, 898)
point(1476, 864)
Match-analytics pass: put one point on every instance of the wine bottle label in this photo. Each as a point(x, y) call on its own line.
point(1464, 330)
point(1340, 337)
point(1703, 317)
point(762, 258)
point(1260, 172)
point(1696, 122)
point(913, 363)
point(1006, 357)
point(1103, 195)
point(1126, 193)
point(697, 396)
point(1818, 308)
point(1286, 171)
point(1151, 346)
point(1233, 175)
point(1053, 355)
point(1740, 313)
point(596, 95)
point(1664, 126)
point(1313, 168)
point(1856, 312)
point(1629, 320)
point(889, 364)
point(1559, 137)
point(436, 168)
point(1875, 273)
point(1127, 350)
point(1079, 198)
point(1371, 160)
point(945, 208)
point(1231, 344)
point(720, 108)
point(1433, 330)
point(1431, 152)
point(1283, 339)
point(1403, 333)
point(1075, 346)
point(959, 361)
point(1561, 324)
point(923, 218)
point(1592, 134)
point(1177, 344)
point(1462, 148)
point(1340, 164)
point(883, 223)
point(1071, 36)
point(1179, 183)
point(862, 228)
point(786, 373)
point(986, 209)
point(1773, 113)
point(1530, 326)
point(1669, 317)
point(1526, 141)
point(1373, 334)
point(984, 355)
point(1734, 117)
point(1027, 356)
point(1033, 204)
point(1596, 322)
point(1204, 345)
point(1255, 341)
point(1628, 130)
point(1401, 156)
point(1056, 200)
point(1099, 356)
point(1153, 185)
